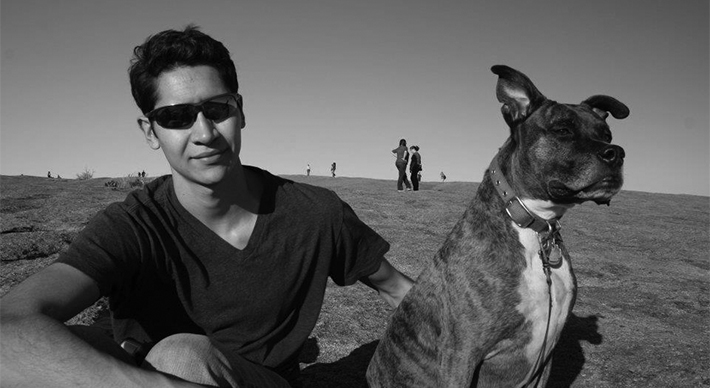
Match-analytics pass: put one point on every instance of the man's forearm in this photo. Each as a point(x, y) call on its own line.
point(38, 351)
point(391, 284)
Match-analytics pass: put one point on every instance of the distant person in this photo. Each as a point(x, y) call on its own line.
point(59, 176)
point(415, 167)
point(217, 271)
point(49, 174)
point(332, 169)
point(308, 170)
point(443, 176)
point(143, 174)
point(401, 159)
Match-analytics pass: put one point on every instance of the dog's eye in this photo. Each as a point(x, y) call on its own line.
point(562, 131)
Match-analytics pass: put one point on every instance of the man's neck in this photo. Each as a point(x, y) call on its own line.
point(238, 192)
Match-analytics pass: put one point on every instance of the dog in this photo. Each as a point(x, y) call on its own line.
point(488, 310)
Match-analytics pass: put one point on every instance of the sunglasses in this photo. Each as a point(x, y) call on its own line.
point(182, 116)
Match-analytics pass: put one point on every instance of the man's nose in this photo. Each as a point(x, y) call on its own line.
point(203, 131)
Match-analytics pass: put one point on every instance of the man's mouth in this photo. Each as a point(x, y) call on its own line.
point(208, 155)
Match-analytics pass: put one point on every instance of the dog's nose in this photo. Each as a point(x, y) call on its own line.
point(612, 155)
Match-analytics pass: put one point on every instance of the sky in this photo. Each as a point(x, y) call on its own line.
point(343, 80)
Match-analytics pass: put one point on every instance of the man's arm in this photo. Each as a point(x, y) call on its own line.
point(38, 350)
point(390, 283)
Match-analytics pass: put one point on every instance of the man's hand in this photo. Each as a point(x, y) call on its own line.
point(390, 283)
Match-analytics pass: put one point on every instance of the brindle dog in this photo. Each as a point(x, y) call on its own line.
point(488, 310)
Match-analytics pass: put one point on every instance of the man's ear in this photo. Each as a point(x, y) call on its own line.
point(240, 104)
point(147, 128)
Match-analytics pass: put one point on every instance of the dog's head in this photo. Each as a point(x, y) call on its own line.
point(558, 152)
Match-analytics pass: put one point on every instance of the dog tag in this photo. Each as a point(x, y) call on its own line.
point(555, 256)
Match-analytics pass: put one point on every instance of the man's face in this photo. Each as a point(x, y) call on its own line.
point(206, 152)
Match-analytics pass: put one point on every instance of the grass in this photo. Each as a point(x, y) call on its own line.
point(130, 181)
point(642, 316)
point(86, 174)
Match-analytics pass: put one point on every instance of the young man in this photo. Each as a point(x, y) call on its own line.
point(219, 269)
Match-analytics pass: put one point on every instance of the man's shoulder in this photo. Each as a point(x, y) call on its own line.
point(153, 195)
point(299, 191)
point(287, 193)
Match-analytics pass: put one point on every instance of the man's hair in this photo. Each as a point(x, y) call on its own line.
point(171, 49)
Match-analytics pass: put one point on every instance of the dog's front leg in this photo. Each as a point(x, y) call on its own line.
point(428, 343)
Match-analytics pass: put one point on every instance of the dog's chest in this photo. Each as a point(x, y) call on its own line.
point(535, 297)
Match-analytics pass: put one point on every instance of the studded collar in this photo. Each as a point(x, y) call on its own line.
point(515, 208)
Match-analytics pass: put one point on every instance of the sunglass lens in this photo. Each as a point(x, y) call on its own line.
point(217, 111)
point(176, 116)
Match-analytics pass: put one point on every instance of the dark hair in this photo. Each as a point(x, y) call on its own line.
point(415, 148)
point(170, 49)
point(403, 142)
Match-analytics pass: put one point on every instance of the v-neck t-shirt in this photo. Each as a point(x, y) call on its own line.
point(166, 273)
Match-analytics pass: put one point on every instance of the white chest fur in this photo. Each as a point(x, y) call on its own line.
point(535, 297)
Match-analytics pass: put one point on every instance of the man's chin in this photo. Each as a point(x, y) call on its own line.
point(210, 177)
point(214, 177)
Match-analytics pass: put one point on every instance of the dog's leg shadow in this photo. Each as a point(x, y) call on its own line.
point(568, 359)
point(347, 372)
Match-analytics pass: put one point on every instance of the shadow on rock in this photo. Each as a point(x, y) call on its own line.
point(348, 372)
point(568, 360)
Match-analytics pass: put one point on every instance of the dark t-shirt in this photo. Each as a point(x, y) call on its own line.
point(165, 272)
point(416, 164)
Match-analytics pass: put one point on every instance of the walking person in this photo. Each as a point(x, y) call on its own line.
point(308, 169)
point(402, 158)
point(415, 166)
point(332, 169)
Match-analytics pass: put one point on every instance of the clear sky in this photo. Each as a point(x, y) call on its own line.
point(344, 80)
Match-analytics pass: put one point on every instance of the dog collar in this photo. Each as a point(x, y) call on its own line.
point(515, 208)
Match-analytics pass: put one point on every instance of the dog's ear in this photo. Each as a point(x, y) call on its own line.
point(518, 94)
point(603, 105)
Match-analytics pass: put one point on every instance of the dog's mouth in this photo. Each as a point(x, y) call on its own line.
point(600, 191)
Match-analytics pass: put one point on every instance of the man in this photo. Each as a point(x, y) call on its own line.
point(219, 269)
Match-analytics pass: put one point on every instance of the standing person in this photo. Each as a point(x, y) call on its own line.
point(415, 166)
point(218, 271)
point(402, 157)
point(332, 169)
point(443, 176)
point(308, 169)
